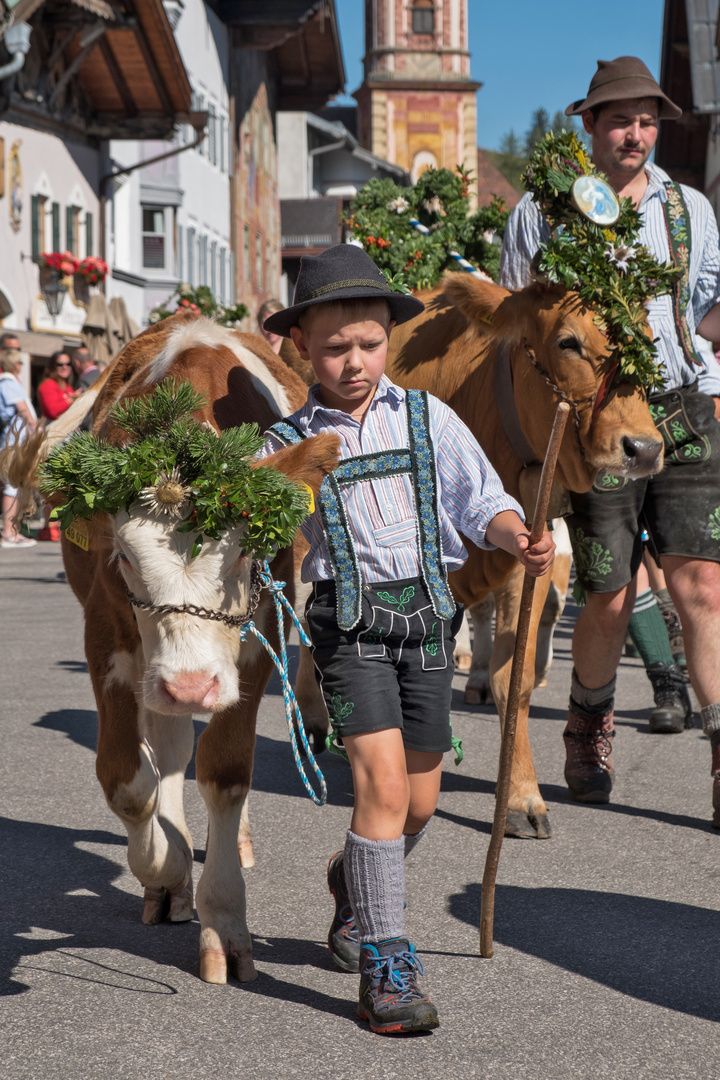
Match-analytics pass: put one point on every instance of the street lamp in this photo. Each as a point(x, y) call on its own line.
point(53, 292)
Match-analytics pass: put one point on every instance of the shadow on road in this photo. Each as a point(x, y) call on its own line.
point(46, 926)
point(654, 950)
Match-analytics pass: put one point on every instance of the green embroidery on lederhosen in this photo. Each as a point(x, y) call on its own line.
point(682, 442)
point(593, 560)
point(677, 223)
point(405, 597)
point(714, 524)
point(609, 483)
point(338, 710)
point(432, 643)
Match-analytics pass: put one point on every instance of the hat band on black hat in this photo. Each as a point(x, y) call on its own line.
point(352, 283)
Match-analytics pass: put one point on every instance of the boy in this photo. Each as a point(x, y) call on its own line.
point(381, 617)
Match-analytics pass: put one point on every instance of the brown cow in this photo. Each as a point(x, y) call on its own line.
point(556, 352)
point(152, 670)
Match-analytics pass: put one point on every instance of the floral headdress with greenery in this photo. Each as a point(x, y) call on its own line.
point(181, 469)
point(606, 266)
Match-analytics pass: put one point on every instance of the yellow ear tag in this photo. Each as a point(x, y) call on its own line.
point(79, 533)
point(311, 506)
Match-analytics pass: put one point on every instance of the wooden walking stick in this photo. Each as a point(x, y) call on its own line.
point(516, 674)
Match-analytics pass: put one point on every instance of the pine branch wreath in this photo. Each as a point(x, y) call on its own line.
point(178, 467)
point(613, 273)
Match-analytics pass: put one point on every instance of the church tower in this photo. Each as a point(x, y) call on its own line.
point(417, 101)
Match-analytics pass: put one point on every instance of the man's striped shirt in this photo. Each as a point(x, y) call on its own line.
point(527, 229)
point(381, 512)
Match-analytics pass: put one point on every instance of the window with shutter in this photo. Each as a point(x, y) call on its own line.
point(35, 230)
point(89, 238)
point(55, 212)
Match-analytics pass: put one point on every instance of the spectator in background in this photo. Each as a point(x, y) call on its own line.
point(55, 392)
point(17, 415)
point(269, 308)
point(87, 372)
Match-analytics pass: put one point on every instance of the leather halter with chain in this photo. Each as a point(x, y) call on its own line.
point(256, 587)
point(508, 409)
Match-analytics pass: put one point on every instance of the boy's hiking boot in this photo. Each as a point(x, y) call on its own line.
point(343, 941)
point(588, 745)
point(673, 711)
point(390, 999)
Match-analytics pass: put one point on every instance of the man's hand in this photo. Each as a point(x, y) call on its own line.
point(537, 559)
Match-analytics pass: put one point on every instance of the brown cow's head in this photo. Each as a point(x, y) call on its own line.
point(557, 347)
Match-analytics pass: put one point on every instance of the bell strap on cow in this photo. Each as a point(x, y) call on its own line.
point(261, 578)
point(677, 224)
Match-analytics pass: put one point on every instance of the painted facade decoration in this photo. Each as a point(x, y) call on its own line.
point(417, 101)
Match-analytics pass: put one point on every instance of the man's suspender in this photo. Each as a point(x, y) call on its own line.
point(677, 223)
point(419, 463)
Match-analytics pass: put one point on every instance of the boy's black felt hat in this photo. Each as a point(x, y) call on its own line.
point(343, 272)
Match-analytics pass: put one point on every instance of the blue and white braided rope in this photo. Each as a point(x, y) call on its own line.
point(281, 663)
point(452, 253)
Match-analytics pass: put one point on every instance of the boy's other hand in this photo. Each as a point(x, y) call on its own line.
point(538, 558)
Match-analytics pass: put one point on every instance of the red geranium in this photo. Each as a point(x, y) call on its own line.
point(92, 269)
point(63, 261)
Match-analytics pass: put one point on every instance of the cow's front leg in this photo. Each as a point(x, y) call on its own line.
point(159, 854)
point(311, 701)
point(527, 813)
point(171, 738)
point(223, 764)
point(555, 603)
point(478, 690)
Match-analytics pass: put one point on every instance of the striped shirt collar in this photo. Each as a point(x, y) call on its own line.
point(386, 391)
point(657, 179)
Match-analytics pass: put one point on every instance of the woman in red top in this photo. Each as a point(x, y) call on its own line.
point(55, 392)
point(55, 395)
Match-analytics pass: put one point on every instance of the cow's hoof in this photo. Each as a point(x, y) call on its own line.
point(181, 904)
point(463, 661)
point(527, 826)
point(542, 681)
point(478, 695)
point(240, 964)
point(213, 966)
point(245, 854)
point(517, 824)
point(156, 906)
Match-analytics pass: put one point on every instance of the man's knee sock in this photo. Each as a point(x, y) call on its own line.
point(648, 631)
point(710, 715)
point(411, 839)
point(586, 703)
point(375, 879)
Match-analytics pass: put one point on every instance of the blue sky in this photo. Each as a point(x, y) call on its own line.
point(529, 54)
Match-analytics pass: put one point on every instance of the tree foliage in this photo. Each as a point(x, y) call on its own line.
point(200, 300)
point(380, 219)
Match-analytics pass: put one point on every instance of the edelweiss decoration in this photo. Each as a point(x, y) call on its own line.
point(604, 264)
point(180, 469)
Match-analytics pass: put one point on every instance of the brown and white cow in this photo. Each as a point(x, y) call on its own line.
point(151, 672)
point(556, 351)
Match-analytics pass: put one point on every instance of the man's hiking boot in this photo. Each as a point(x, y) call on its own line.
point(390, 999)
point(588, 746)
point(343, 941)
point(674, 632)
point(673, 711)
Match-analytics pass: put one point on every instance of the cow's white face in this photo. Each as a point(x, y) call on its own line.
point(190, 663)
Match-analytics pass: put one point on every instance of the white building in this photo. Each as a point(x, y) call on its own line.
point(170, 222)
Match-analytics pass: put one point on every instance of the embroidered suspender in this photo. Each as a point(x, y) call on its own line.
point(677, 223)
point(419, 463)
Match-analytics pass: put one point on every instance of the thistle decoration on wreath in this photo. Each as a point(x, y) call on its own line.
point(603, 263)
point(179, 469)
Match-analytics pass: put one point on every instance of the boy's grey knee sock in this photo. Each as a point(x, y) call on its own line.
point(375, 879)
point(411, 839)
point(586, 702)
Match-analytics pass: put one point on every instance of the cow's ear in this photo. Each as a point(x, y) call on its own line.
point(478, 300)
point(309, 461)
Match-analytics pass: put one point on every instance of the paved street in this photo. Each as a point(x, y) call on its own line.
point(607, 936)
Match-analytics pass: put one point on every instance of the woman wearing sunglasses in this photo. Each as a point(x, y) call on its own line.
point(55, 392)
